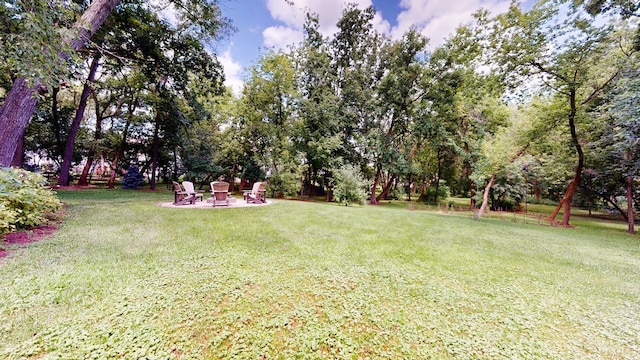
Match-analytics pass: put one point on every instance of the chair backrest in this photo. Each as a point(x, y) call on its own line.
point(256, 188)
point(176, 187)
point(188, 187)
point(219, 186)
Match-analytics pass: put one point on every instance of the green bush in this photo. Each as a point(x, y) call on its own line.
point(429, 195)
point(24, 200)
point(284, 183)
point(349, 186)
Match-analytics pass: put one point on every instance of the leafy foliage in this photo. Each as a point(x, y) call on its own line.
point(252, 171)
point(284, 183)
point(349, 186)
point(441, 192)
point(31, 34)
point(24, 200)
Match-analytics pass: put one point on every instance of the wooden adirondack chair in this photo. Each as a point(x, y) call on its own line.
point(191, 191)
point(258, 194)
point(179, 194)
point(220, 192)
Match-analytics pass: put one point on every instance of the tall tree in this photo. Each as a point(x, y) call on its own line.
point(356, 61)
point(269, 102)
point(317, 134)
point(200, 18)
point(20, 103)
point(389, 140)
point(63, 180)
point(479, 107)
point(560, 54)
point(620, 140)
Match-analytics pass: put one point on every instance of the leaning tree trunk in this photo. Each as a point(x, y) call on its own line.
point(63, 180)
point(613, 203)
point(386, 188)
point(571, 189)
point(15, 113)
point(18, 156)
point(485, 196)
point(21, 101)
point(84, 176)
point(373, 200)
point(630, 217)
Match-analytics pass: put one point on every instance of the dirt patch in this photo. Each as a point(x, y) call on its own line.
point(26, 236)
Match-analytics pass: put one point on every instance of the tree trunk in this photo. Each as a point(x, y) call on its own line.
point(232, 180)
point(21, 101)
point(120, 152)
point(485, 196)
point(63, 180)
point(329, 194)
point(154, 152)
point(83, 181)
point(308, 178)
point(92, 151)
point(612, 201)
point(15, 113)
point(114, 170)
point(312, 180)
point(571, 189)
point(438, 174)
point(18, 156)
point(373, 200)
point(302, 176)
point(467, 173)
point(630, 217)
point(56, 124)
point(387, 187)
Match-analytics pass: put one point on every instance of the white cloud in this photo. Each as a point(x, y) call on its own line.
point(278, 37)
point(293, 18)
point(438, 19)
point(232, 71)
point(166, 10)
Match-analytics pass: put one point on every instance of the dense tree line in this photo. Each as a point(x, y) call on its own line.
point(537, 103)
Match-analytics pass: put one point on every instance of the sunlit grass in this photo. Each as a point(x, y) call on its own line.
point(124, 278)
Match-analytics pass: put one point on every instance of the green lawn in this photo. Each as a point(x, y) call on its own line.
point(124, 278)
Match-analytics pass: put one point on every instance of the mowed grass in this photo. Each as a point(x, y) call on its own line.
point(124, 278)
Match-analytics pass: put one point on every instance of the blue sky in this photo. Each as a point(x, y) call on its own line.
point(265, 24)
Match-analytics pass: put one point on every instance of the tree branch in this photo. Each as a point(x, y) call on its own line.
point(598, 89)
point(543, 69)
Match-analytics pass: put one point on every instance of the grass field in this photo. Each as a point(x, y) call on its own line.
point(124, 278)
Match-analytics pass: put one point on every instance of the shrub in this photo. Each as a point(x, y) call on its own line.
point(284, 183)
point(349, 186)
point(133, 179)
point(24, 200)
point(429, 195)
point(398, 193)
